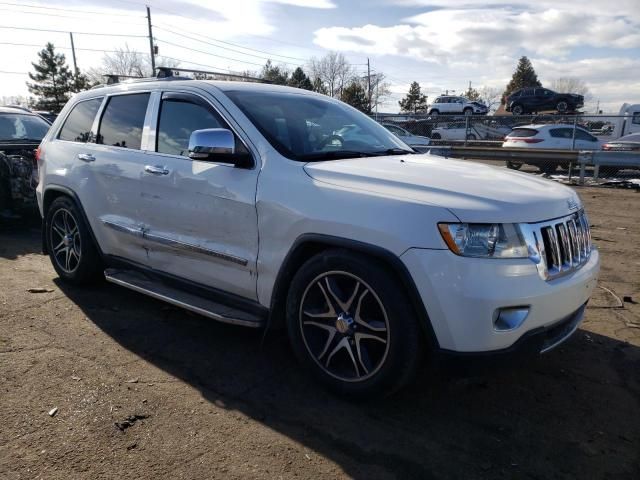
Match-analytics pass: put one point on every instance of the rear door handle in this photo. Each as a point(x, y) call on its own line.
point(86, 157)
point(156, 170)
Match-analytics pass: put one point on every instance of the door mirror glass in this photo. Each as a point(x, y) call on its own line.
point(212, 144)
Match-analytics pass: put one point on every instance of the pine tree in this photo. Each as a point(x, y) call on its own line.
point(274, 74)
point(319, 86)
point(300, 80)
point(472, 94)
point(53, 81)
point(415, 101)
point(355, 95)
point(524, 76)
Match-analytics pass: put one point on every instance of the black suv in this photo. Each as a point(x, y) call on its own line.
point(533, 100)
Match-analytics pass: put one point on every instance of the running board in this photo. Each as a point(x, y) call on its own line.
point(161, 291)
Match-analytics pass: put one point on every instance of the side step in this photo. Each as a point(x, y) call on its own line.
point(202, 306)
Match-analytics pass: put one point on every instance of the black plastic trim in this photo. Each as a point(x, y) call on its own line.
point(389, 258)
point(211, 293)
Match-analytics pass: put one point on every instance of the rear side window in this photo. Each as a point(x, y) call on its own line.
point(178, 118)
point(77, 126)
point(562, 133)
point(523, 132)
point(123, 120)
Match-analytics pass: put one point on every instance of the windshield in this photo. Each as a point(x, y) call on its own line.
point(18, 127)
point(306, 128)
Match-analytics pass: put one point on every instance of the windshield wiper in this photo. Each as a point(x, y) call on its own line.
point(335, 155)
point(20, 140)
point(395, 151)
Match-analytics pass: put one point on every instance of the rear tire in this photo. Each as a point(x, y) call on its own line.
point(471, 136)
point(71, 249)
point(548, 168)
point(517, 109)
point(436, 136)
point(514, 166)
point(351, 324)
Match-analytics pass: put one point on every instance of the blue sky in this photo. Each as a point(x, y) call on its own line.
point(443, 44)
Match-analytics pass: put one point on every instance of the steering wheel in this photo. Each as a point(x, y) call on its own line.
point(330, 139)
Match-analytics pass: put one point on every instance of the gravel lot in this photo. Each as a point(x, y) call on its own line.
point(144, 390)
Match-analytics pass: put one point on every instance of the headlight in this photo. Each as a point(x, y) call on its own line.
point(484, 240)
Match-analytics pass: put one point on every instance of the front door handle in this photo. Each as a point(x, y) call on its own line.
point(156, 170)
point(86, 157)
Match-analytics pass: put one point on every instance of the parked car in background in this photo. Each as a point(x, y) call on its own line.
point(552, 136)
point(20, 134)
point(628, 143)
point(418, 142)
point(476, 131)
point(48, 116)
point(455, 105)
point(533, 100)
point(450, 131)
point(214, 197)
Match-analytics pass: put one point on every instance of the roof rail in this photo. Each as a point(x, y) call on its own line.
point(167, 73)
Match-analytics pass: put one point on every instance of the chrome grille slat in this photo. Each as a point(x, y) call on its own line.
point(559, 246)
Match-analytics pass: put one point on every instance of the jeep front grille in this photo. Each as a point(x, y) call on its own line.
point(559, 246)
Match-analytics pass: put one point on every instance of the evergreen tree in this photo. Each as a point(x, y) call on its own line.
point(319, 86)
point(415, 101)
point(274, 74)
point(355, 95)
point(472, 94)
point(53, 82)
point(524, 76)
point(300, 80)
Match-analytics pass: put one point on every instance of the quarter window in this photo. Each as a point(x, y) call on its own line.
point(636, 118)
point(77, 126)
point(123, 120)
point(178, 118)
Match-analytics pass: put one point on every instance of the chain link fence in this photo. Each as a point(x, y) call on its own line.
point(539, 144)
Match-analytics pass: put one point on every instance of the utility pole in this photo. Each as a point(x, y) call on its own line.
point(73, 53)
point(369, 83)
point(151, 49)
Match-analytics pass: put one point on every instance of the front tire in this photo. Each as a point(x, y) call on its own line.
point(468, 111)
point(513, 165)
point(351, 325)
point(434, 113)
point(69, 243)
point(562, 106)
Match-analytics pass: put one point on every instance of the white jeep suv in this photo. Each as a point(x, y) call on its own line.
point(239, 201)
point(446, 104)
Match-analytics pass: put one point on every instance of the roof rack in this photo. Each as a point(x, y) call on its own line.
point(167, 72)
point(171, 73)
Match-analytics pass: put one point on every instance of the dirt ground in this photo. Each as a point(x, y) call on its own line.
point(144, 390)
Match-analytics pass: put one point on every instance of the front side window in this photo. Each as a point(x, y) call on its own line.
point(123, 120)
point(309, 127)
point(178, 119)
point(582, 135)
point(562, 133)
point(22, 128)
point(77, 126)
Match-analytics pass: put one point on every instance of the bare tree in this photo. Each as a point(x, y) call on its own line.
point(571, 85)
point(333, 70)
point(127, 62)
point(490, 96)
point(380, 89)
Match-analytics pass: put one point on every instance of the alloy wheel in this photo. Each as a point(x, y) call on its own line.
point(65, 240)
point(344, 326)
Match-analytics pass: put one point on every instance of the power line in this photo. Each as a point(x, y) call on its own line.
point(14, 73)
point(77, 33)
point(65, 48)
point(48, 14)
point(70, 10)
point(207, 53)
point(166, 29)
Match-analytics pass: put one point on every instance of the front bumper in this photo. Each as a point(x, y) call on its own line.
point(463, 295)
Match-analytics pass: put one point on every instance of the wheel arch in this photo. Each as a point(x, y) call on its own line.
point(308, 245)
point(53, 191)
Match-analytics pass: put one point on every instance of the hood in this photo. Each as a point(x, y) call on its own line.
point(474, 192)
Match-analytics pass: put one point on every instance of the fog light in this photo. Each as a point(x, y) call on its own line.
point(510, 318)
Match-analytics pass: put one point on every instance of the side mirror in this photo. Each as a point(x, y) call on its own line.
point(217, 145)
